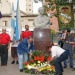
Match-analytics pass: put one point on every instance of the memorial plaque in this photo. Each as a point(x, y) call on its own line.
point(41, 38)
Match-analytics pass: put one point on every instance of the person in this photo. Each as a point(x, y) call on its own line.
point(74, 46)
point(60, 43)
point(14, 51)
point(0, 44)
point(26, 33)
point(57, 55)
point(23, 50)
point(5, 41)
point(41, 21)
point(68, 41)
point(62, 37)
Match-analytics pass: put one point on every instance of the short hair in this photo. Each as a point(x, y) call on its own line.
point(68, 30)
point(3, 28)
point(49, 45)
point(26, 25)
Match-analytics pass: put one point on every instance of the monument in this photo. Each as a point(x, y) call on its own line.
point(42, 21)
point(41, 31)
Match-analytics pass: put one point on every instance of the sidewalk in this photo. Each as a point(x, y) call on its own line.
point(12, 69)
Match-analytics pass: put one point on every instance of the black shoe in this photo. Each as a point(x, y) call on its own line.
point(16, 62)
point(58, 74)
point(73, 68)
point(12, 62)
point(62, 70)
point(55, 73)
point(21, 70)
point(65, 66)
point(2, 65)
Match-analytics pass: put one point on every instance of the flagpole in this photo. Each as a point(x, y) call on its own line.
point(18, 22)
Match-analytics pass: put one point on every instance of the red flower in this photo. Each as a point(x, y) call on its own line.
point(53, 67)
point(26, 63)
point(36, 57)
point(39, 58)
point(42, 58)
point(32, 61)
point(48, 58)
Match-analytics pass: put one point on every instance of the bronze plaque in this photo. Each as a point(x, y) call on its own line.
point(41, 38)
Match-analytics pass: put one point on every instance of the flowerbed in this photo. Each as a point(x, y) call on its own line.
point(38, 64)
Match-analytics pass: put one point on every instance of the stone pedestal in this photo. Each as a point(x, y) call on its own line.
point(41, 38)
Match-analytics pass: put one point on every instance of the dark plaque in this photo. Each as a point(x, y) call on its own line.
point(41, 38)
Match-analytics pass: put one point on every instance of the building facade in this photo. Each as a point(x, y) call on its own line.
point(5, 21)
point(29, 6)
point(26, 18)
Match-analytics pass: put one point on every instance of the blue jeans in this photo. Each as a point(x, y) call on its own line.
point(57, 62)
point(22, 58)
point(71, 59)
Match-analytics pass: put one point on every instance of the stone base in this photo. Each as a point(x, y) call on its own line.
point(41, 38)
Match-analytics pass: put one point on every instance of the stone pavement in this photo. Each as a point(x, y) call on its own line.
point(12, 69)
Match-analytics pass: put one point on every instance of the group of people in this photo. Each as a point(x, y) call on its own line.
point(25, 34)
point(20, 50)
point(66, 42)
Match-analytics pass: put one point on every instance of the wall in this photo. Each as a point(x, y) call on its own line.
point(5, 7)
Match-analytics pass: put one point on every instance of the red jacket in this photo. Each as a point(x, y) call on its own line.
point(26, 34)
point(4, 38)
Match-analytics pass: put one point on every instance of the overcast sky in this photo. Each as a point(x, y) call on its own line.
point(22, 5)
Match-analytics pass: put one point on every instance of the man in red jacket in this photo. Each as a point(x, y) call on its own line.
point(26, 33)
point(4, 41)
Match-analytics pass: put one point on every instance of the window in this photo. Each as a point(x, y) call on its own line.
point(4, 23)
point(30, 19)
point(29, 9)
point(29, 5)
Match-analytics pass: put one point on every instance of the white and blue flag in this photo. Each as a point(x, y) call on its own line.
point(18, 23)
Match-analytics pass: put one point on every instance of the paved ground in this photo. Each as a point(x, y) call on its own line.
point(13, 70)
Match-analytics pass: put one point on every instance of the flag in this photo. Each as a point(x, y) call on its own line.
point(0, 15)
point(12, 23)
point(18, 23)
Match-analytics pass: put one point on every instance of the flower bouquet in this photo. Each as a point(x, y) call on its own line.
point(38, 63)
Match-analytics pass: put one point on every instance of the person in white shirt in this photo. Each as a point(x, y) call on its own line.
point(58, 55)
point(14, 51)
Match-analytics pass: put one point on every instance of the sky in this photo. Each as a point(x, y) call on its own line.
point(22, 5)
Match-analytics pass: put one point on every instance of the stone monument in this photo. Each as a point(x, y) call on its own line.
point(41, 31)
point(42, 21)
